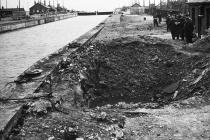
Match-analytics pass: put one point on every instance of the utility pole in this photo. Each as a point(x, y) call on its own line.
point(0, 4)
point(6, 4)
point(160, 4)
point(19, 5)
point(144, 3)
point(154, 2)
point(167, 3)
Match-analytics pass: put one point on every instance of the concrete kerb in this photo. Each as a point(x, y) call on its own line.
point(12, 114)
point(10, 119)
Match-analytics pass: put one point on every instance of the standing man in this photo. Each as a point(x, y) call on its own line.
point(168, 20)
point(159, 18)
point(188, 30)
point(173, 28)
point(182, 23)
point(155, 21)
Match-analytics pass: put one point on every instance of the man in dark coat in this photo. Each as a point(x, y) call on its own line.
point(182, 23)
point(168, 19)
point(188, 30)
point(174, 28)
point(155, 21)
point(180, 26)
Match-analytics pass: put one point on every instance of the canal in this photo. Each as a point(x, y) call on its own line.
point(20, 49)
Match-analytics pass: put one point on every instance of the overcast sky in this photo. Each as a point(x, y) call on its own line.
point(86, 5)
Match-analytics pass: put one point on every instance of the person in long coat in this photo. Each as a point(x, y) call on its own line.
point(188, 30)
point(174, 28)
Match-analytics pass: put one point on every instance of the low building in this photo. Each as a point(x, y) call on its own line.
point(118, 11)
point(200, 14)
point(137, 9)
point(61, 9)
point(52, 9)
point(14, 13)
point(39, 8)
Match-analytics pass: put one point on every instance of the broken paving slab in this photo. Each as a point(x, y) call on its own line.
point(9, 115)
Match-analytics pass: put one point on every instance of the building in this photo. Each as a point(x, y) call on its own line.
point(14, 13)
point(39, 8)
point(118, 11)
point(200, 13)
point(52, 9)
point(136, 9)
point(61, 9)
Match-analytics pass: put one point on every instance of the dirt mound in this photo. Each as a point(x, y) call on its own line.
point(202, 45)
point(135, 71)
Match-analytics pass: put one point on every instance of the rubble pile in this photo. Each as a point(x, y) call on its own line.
point(113, 79)
point(133, 71)
point(202, 45)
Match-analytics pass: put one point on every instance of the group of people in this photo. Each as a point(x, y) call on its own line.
point(180, 27)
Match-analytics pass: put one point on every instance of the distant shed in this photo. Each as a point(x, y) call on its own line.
point(14, 13)
point(137, 9)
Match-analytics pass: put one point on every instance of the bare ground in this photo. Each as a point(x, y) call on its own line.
point(140, 84)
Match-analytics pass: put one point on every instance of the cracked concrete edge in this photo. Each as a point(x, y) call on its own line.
point(17, 112)
point(12, 116)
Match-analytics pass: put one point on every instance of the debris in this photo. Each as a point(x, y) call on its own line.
point(201, 76)
point(51, 138)
point(100, 117)
point(175, 94)
point(79, 138)
point(118, 134)
point(39, 107)
point(171, 88)
point(34, 72)
point(131, 114)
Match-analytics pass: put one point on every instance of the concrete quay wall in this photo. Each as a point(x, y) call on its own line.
point(35, 22)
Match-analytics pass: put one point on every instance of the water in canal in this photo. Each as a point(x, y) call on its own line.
point(20, 49)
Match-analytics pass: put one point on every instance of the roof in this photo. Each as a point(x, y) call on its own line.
point(198, 2)
point(52, 7)
point(41, 5)
point(136, 5)
point(13, 9)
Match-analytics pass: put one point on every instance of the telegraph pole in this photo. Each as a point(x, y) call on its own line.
point(19, 5)
point(167, 3)
point(160, 4)
point(6, 4)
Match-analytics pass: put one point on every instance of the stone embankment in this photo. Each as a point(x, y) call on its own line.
point(33, 22)
point(15, 94)
point(122, 80)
